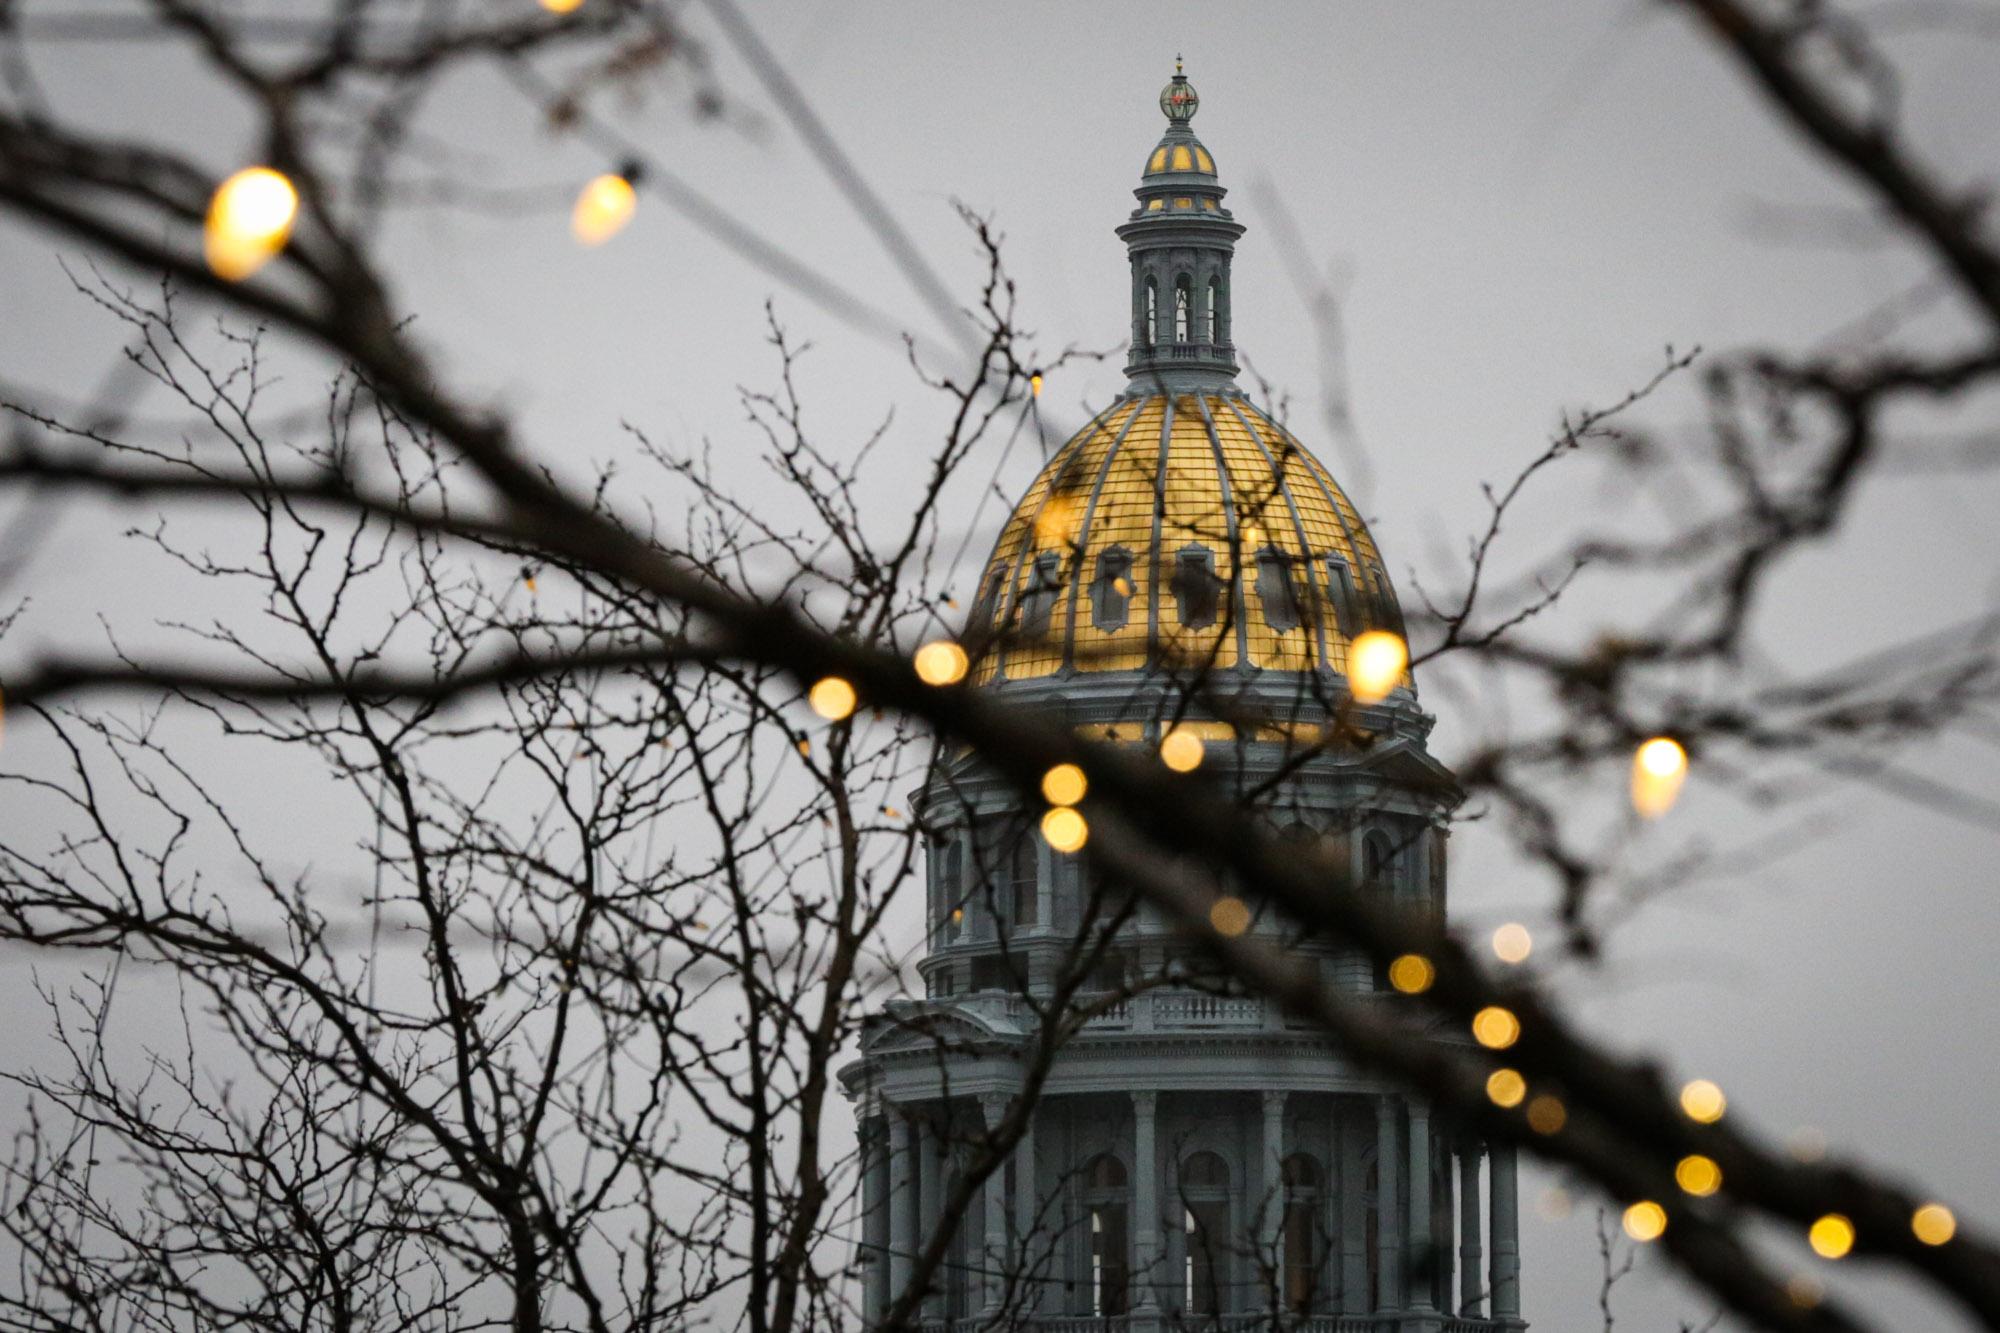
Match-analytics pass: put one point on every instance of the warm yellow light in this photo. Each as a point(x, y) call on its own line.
point(1035, 383)
point(1933, 1224)
point(940, 662)
point(1230, 916)
point(1064, 829)
point(1659, 767)
point(249, 220)
point(1698, 1175)
point(1064, 785)
point(1512, 943)
point(603, 207)
point(560, 6)
point(1505, 1088)
point(1703, 1102)
point(1412, 974)
point(1375, 663)
point(1645, 1221)
point(1547, 1115)
point(832, 698)
point(1495, 1028)
point(1181, 750)
point(1831, 1237)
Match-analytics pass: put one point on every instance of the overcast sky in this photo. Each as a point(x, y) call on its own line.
point(1523, 204)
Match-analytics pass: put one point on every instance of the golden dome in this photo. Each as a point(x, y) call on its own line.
point(1180, 527)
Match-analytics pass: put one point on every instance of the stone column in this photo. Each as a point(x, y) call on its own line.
point(1422, 1242)
point(1469, 1266)
point(1030, 1243)
point(1388, 1216)
point(1506, 1236)
point(994, 1195)
point(902, 1203)
point(928, 1151)
point(1145, 1201)
point(1273, 1207)
point(875, 1187)
point(1355, 1298)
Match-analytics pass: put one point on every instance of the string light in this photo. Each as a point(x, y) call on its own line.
point(1512, 943)
point(1698, 1175)
point(1064, 784)
point(1703, 1102)
point(832, 698)
point(941, 662)
point(1831, 1237)
point(249, 220)
point(1035, 384)
point(1182, 750)
point(1933, 1224)
point(1230, 916)
point(1547, 1115)
point(560, 6)
point(1505, 1088)
point(1412, 974)
point(528, 578)
point(1064, 829)
point(603, 207)
point(1645, 1221)
point(1375, 663)
point(1659, 767)
point(1495, 1028)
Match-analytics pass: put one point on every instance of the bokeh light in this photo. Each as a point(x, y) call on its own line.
point(603, 207)
point(832, 698)
point(1412, 974)
point(1659, 768)
point(941, 662)
point(1495, 1028)
point(1933, 1224)
point(1182, 750)
point(1375, 663)
point(1645, 1221)
point(1505, 1088)
point(1064, 784)
point(249, 220)
point(1698, 1175)
point(1831, 1237)
point(1547, 1114)
point(1230, 916)
point(1064, 829)
point(1512, 943)
point(1703, 1102)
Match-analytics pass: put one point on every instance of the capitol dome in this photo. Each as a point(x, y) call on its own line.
point(1183, 527)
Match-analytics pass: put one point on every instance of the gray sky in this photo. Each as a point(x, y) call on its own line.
point(1524, 203)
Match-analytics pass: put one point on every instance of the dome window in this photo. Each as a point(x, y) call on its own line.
point(1278, 591)
point(1039, 601)
point(1111, 590)
point(1183, 310)
point(1158, 163)
point(1340, 579)
point(1203, 160)
point(1197, 591)
point(1183, 159)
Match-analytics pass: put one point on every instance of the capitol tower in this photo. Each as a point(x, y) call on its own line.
point(1183, 571)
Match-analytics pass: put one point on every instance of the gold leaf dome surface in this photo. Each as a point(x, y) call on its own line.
point(1180, 527)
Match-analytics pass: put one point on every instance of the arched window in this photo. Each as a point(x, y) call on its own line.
point(1183, 315)
point(1304, 1240)
point(1205, 1217)
point(1215, 310)
point(1152, 311)
point(1104, 1210)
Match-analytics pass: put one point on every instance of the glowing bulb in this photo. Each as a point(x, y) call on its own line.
point(1495, 1028)
point(1375, 663)
point(1412, 974)
point(1064, 784)
point(249, 220)
point(1505, 1088)
point(1035, 383)
point(1547, 1115)
point(832, 698)
point(1181, 750)
point(1064, 829)
point(1230, 916)
point(1831, 1237)
point(1698, 1175)
point(1645, 1221)
point(603, 207)
point(1703, 1102)
point(560, 6)
point(1659, 767)
point(941, 662)
point(1512, 943)
point(1933, 1224)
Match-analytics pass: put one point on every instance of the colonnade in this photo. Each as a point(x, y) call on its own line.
point(906, 1166)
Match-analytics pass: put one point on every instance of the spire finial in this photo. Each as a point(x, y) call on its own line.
point(1177, 62)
